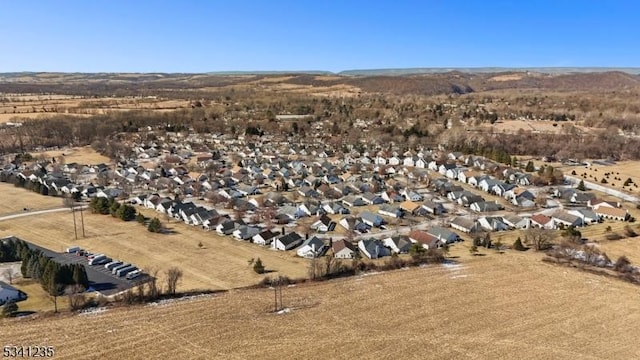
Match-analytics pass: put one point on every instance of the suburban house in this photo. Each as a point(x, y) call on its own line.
point(562, 218)
point(516, 222)
point(373, 248)
point(410, 207)
point(399, 244)
point(390, 210)
point(265, 237)
point(9, 293)
point(542, 221)
point(352, 223)
point(485, 206)
point(465, 224)
point(343, 249)
point(371, 219)
point(312, 248)
point(324, 224)
point(334, 208)
point(588, 216)
point(492, 223)
point(607, 212)
point(426, 240)
point(245, 232)
point(433, 207)
point(443, 234)
point(287, 242)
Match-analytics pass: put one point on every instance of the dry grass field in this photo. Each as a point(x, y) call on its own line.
point(38, 299)
point(14, 200)
point(222, 263)
point(509, 306)
point(29, 106)
point(82, 155)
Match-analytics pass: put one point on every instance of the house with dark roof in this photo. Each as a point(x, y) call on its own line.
point(399, 244)
point(287, 242)
point(312, 248)
point(485, 206)
point(265, 237)
point(245, 232)
point(324, 224)
point(464, 224)
point(373, 248)
point(443, 234)
point(371, 219)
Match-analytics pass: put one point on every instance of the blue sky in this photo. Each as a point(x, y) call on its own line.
point(201, 36)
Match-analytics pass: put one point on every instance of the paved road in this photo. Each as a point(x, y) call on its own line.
point(38, 212)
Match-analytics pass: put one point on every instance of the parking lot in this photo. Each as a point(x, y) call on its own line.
point(100, 279)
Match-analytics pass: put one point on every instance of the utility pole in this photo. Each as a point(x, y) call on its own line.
point(75, 229)
point(82, 221)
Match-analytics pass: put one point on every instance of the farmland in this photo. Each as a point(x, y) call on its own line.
point(480, 308)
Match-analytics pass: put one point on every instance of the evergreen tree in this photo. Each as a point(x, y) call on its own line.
point(126, 212)
point(113, 208)
point(517, 245)
point(140, 218)
point(581, 186)
point(154, 225)
point(529, 167)
point(258, 267)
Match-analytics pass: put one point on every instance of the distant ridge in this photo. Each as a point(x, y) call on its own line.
point(545, 70)
point(283, 72)
point(355, 72)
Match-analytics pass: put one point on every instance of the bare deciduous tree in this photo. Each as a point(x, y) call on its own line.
point(76, 297)
point(173, 277)
point(152, 285)
point(539, 238)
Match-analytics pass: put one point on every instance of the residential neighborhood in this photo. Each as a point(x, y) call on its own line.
point(285, 197)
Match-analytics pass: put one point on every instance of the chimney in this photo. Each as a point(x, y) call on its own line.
point(283, 230)
point(306, 236)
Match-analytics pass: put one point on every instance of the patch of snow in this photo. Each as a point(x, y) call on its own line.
point(166, 302)
point(284, 311)
point(93, 311)
point(370, 273)
point(459, 276)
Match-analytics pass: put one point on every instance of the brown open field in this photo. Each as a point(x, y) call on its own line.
point(81, 155)
point(509, 306)
point(29, 106)
point(220, 264)
point(622, 170)
point(14, 200)
point(535, 126)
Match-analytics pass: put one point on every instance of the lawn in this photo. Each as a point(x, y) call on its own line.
point(15, 199)
point(222, 262)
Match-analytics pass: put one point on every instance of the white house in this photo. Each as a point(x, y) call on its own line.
point(287, 242)
point(373, 248)
point(264, 238)
point(343, 249)
point(311, 248)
